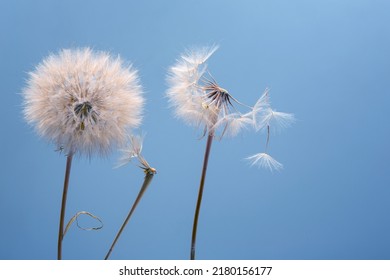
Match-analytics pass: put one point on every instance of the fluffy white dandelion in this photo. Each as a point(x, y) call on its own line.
point(83, 100)
point(266, 161)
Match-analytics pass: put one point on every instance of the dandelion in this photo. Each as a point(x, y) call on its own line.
point(84, 102)
point(129, 154)
point(201, 102)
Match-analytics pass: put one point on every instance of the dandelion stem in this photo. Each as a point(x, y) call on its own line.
point(147, 180)
point(200, 194)
point(63, 204)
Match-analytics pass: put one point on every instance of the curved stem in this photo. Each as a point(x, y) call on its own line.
point(146, 183)
point(200, 194)
point(63, 205)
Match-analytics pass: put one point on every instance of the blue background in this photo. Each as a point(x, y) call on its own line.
point(325, 61)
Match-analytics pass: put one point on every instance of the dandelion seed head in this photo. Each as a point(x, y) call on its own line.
point(265, 161)
point(84, 101)
point(198, 99)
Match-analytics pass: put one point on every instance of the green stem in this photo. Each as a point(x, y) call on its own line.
point(63, 205)
point(146, 183)
point(200, 194)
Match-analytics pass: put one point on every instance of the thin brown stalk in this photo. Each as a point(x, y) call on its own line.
point(200, 194)
point(63, 205)
point(147, 180)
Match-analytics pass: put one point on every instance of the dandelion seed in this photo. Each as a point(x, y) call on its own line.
point(198, 56)
point(265, 161)
point(274, 119)
point(133, 150)
point(258, 110)
point(232, 124)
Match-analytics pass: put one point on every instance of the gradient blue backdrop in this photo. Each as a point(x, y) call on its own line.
point(327, 62)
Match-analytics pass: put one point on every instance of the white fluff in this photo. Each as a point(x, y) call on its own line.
point(201, 102)
point(266, 161)
point(84, 101)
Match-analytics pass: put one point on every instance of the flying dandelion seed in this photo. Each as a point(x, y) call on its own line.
point(85, 102)
point(266, 161)
point(273, 119)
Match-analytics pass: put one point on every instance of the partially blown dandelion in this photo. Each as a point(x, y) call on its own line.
point(84, 102)
point(129, 154)
point(200, 101)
